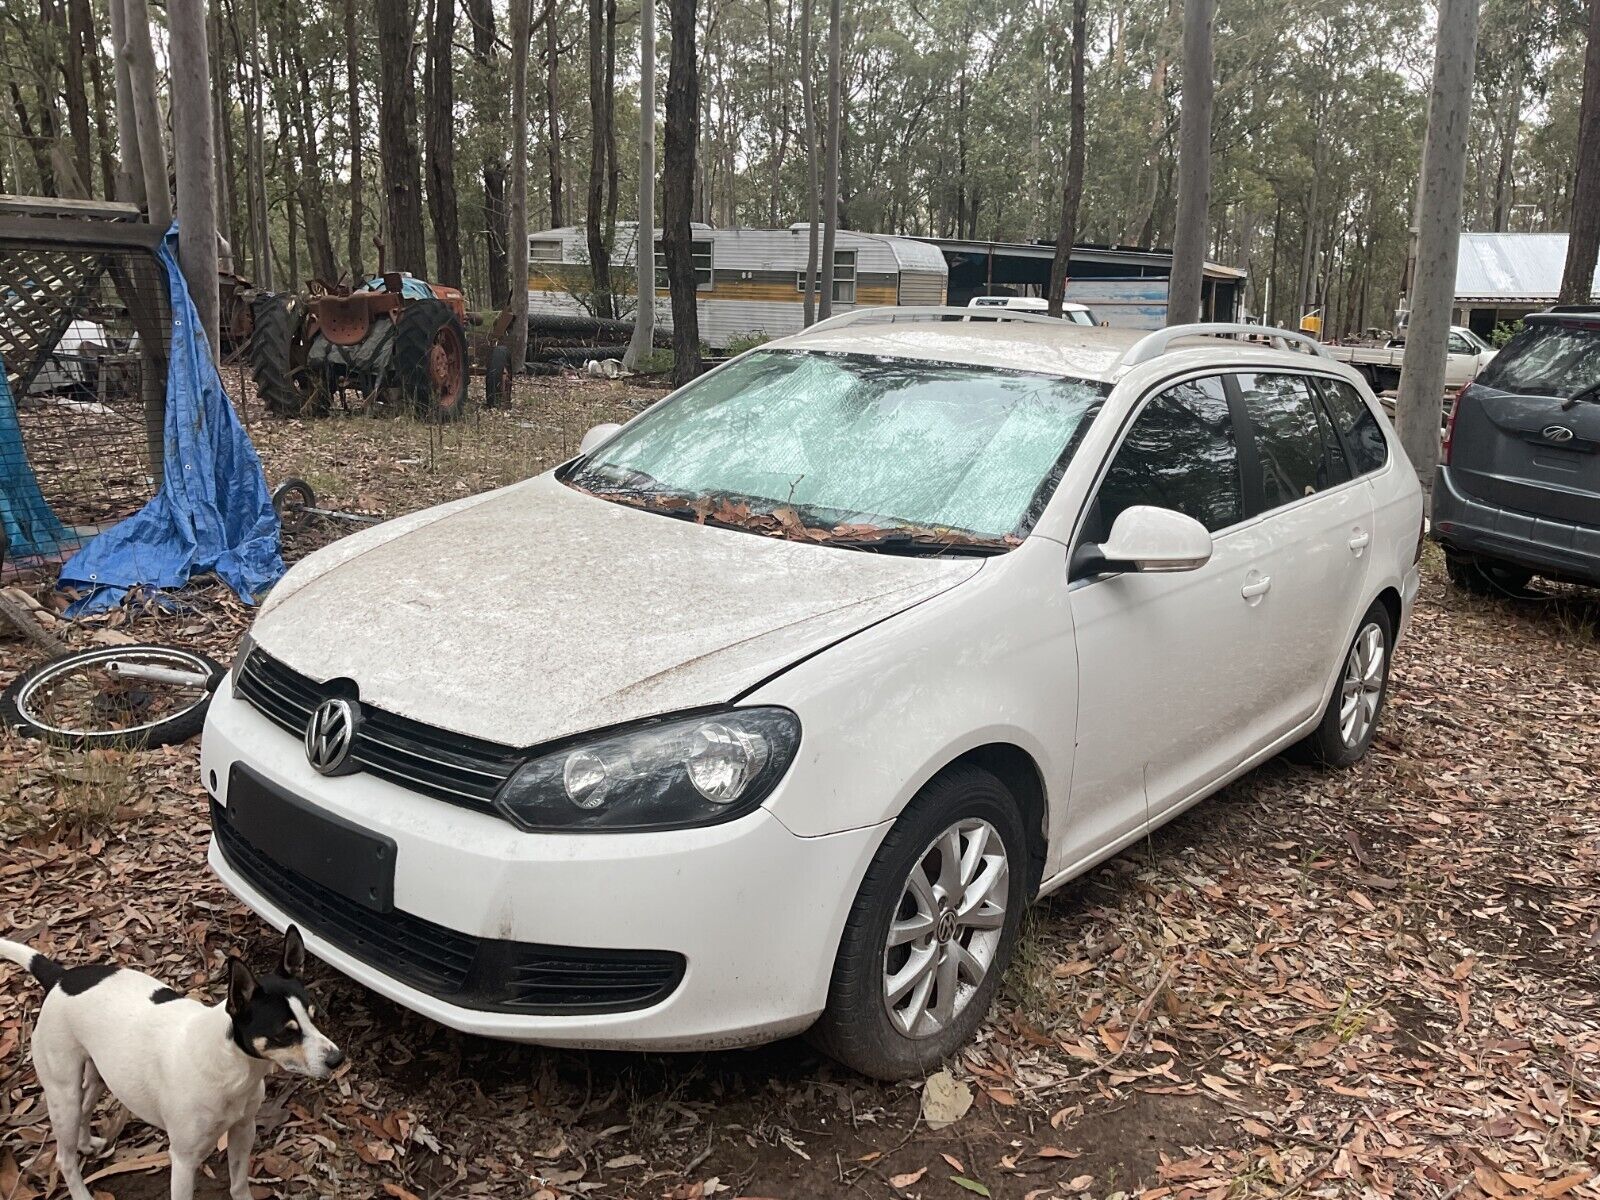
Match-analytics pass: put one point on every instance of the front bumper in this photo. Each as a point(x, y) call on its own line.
point(1468, 525)
point(755, 911)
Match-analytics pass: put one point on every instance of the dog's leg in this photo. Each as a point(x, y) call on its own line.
point(93, 1088)
point(185, 1163)
point(61, 1077)
point(241, 1139)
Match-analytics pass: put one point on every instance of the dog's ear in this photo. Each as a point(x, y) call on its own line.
point(241, 986)
point(294, 953)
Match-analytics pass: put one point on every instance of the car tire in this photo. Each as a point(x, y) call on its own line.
point(1344, 735)
point(942, 942)
point(1485, 577)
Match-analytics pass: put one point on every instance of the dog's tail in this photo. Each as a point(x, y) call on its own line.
point(44, 968)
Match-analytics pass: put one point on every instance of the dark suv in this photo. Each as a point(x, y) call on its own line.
point(1518, 488)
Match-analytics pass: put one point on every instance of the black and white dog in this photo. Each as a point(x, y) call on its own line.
point(195, 1071)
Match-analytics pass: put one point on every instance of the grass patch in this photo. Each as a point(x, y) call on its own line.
point(69, 795)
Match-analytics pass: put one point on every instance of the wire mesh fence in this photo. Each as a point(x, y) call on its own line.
point(84, 331)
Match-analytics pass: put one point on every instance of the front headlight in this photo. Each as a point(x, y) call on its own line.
point(667, 775)
point(246, 644)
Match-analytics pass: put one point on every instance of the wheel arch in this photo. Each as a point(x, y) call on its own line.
point(1016, 768)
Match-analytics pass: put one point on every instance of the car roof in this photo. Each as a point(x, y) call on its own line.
point(1057, 348)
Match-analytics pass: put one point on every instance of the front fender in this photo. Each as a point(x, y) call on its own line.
point(882, 712)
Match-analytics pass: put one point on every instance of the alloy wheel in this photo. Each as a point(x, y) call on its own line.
point(1363, 685)
point(946, 928)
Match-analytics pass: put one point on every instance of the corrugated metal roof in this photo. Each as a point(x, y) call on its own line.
point(1512, 267)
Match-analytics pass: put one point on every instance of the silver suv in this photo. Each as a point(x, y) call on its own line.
point(1518, 488)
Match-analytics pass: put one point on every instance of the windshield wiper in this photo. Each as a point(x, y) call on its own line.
point(1589, 395)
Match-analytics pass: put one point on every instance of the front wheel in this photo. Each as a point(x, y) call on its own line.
point(931, 931)
point(1350, 721)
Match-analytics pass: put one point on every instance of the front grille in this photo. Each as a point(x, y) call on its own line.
point(478, 973)
point(447, 766)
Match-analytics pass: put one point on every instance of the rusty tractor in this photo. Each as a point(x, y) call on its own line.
point(395, 339)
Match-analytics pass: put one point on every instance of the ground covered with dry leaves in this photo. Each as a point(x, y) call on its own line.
point(1377, 982)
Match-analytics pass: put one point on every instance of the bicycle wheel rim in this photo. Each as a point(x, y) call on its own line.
point(32, 699)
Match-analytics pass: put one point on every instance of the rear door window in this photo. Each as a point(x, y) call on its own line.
point(1179, 454)
point(1547, 359)
point(1290, 437)
point(1363, 435)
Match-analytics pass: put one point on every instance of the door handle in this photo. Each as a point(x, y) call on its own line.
point(1360, 541)
point(1256, 587)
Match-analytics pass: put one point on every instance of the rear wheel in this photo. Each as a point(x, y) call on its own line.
point(1350, 721)
point(430, 359)
point(1485, 577)
point(278, 358)
point(497, 379)
point(931, 932)
point(113, 697)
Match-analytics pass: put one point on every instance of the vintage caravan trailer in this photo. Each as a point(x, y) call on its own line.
point(748, 281)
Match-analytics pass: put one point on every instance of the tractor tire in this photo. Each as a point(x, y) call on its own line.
point(277, 356)
point(429, 360)
point(497, 379)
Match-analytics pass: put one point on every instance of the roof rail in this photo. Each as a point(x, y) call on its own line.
point(1152, 346)
point(890, 313)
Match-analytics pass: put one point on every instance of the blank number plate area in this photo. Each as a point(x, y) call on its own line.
point(338, 854)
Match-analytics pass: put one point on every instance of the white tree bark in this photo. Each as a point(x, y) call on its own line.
point(1444, 173)
point(130, 171)
point(517, 207)
point(192, 130)
point(1194, 165)
point(141, 61)
point(644, 243)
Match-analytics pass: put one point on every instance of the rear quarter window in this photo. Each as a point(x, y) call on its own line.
point(1363, 435)
point(1547, 359)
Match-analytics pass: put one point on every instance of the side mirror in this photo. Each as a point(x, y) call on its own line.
point(1145, 538)
point(595, 436)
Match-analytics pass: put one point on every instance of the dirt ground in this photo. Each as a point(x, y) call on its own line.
point(1376, 982)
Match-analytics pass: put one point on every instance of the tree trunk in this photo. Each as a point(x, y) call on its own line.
point(440, 137)
point(221, 138)
point(1194, 165)
point(130, 171)
point(1583, 243)
point(484, 52)
point(190, 66)
point(1072, 190)
point(354, 245)
point(809, 100)
point(258, 147)
point(521, 20)
point(397, 137)
point(552, 108)
point(1510, 125)
point(644, 240)
point(599, 134)
point(830, 183)
point(312, 204)
point(1444, 170)
point(78, 39)
point(677, 188)
point(147, 111)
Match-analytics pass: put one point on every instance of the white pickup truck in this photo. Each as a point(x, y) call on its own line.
point(1467, 355)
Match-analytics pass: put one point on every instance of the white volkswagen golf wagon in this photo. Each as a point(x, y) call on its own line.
point(772, 709)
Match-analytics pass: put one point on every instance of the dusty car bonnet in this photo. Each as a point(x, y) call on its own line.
point(542, 612)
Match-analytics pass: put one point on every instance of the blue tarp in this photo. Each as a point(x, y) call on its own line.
point(30, 523)
point(213, 512)
point(411, 287)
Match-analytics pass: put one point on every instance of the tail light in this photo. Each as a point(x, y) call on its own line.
point(1450, 424)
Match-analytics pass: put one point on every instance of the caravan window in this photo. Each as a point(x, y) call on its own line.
point(544, 251)
point(844, 277)
point(704, 274)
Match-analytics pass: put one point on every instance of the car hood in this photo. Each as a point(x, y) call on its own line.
point(538, 611)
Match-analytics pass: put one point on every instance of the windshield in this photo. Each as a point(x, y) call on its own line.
point(1476, 342)
point(1547, 359)
point(852, 448)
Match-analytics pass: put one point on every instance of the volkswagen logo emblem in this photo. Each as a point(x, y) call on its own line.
point(1557, 433)
point(330, 733)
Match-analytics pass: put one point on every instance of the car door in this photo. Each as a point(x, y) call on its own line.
point(1165, 661)
point(1317, 521)
point(1461, 361)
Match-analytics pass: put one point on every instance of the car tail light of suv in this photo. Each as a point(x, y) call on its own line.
point(1450, 424)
